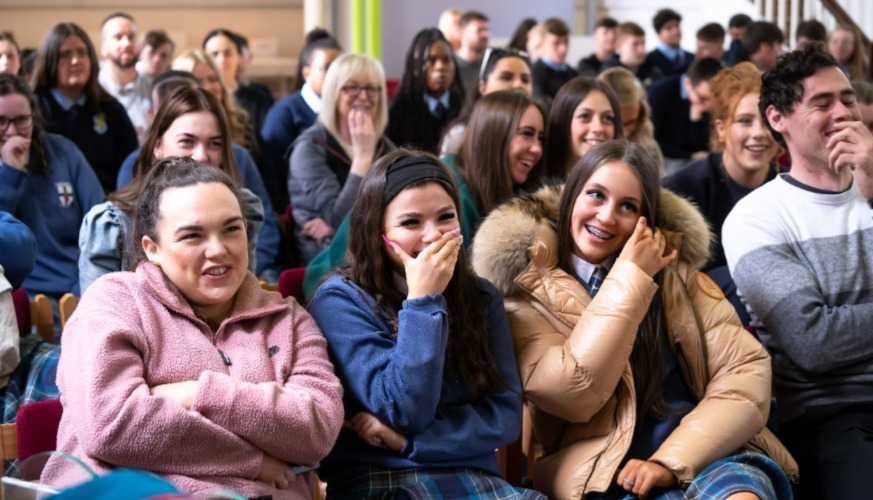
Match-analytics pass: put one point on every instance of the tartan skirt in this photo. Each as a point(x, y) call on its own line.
point(376, 482)
point(745, 471)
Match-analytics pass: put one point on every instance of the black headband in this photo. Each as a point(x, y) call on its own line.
point(410, 170)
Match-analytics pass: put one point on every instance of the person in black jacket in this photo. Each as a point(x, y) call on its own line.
point(430, 94)
point(551, 70)
point(669, 56)
point(73, 104)
point(679, 112)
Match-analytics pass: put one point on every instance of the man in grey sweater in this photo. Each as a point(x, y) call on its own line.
point(800, 249)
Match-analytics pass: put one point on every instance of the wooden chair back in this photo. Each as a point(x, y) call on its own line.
point(41, 316)
point(67, 305)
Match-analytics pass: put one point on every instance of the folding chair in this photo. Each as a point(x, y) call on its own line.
point(67, 305)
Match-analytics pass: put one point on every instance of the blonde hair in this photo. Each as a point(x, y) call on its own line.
point(629, 91)
point(236, 116)
point(343, 69)
point(448, 23)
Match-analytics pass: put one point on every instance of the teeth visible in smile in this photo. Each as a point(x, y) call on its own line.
point(598, 233)
point(218, 271)
point(757, 149)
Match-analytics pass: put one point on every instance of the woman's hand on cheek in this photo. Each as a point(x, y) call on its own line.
point(375, 433)
point(639, 477)
point(363, 133)
point(275, 473)
point(14, 152)
point(431, 270)
point(181, 392)
point(645, 248)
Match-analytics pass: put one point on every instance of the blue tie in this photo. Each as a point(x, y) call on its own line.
point(596, 280)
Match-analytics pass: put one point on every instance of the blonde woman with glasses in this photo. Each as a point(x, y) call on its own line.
point(330, 158)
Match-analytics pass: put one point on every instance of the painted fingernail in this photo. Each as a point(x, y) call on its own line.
point(456, 231)
point(387, 241)
point(461, 239)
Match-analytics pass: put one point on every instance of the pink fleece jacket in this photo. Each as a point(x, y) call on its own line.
point(277, 393)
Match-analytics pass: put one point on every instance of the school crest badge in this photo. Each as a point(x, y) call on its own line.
point(65, 193)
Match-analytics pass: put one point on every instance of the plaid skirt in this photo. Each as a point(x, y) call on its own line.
point(33, 380)
point(378, 483)
point(745, 471)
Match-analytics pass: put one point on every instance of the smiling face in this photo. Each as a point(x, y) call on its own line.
point(194, 135)
point(748, 144)
point(439, 68)
point(606, 212)
point(509, 73)
point(828, 99)
point(417, 217)
point(362, 100)
point(593, 122)
point(74, 66)
point(226, 56)
point(201, 245)
point(526, 147)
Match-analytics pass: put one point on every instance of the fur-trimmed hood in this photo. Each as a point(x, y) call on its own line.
point(500, 250)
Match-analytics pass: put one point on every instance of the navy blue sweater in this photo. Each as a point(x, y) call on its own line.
point(105, 139)
point(52, 205)
point(407, 382)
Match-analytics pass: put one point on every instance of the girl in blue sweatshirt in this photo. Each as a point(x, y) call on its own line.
point(421, 345)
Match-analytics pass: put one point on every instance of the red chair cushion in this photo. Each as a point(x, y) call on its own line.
point(291, 283)
point(36, 427)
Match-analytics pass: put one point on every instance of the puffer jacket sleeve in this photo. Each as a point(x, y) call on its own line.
point(736, 399)
point(573, 376)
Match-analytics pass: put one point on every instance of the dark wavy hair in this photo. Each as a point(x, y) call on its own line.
point(171, 172)
point(413, 85)
point(557, 151)
point(482, 160)
point(14, 84)
point(45, 68)
point(782, 84)
point(370, 268)
point(646, 358)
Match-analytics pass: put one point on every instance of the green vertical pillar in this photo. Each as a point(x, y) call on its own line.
point(356, 19)
point(374, 28)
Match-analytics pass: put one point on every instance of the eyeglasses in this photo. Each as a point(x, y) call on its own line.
point(352, 90)
point(20, 122)
point(494, 54)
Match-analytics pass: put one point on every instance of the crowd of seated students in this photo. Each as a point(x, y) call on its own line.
point(555, 182)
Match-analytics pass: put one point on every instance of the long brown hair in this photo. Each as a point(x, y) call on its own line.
point(45, 68)
point(370, 268)
point(482, 160)
point(180, 102)
point(646, 358)
point(557, 150)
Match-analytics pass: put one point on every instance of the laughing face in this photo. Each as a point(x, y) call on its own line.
point(593, 122)
point(748, 145)
point(526, 147)
point(201, 245)
point(606, 212)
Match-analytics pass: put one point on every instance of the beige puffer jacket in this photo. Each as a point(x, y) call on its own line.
point(573, 351)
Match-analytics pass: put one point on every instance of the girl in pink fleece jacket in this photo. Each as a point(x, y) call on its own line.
point(185, 367)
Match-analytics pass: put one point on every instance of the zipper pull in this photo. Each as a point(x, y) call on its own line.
point(225, 358)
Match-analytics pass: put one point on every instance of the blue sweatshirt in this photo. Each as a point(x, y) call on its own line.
point(52, 205)
point(409, 385)
point(284, 122)
point(17, 249)
point(268, 236)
